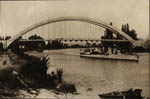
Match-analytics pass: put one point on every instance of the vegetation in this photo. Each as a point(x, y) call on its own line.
point(35, 70)
point(35, 44)
point(125, 47)
point(41, 45)
point(60, 74)
point(147, 45)
point(132, 33)
point(5, 38)
point(10, 82)
point(1, 44)
point(67, 88)
point(55, 44)
point(8, 79)
point(32, 75)
point(1, 47)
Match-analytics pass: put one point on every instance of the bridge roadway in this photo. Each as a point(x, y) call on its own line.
point(76, 40)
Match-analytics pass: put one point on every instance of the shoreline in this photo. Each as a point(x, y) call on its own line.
point(84, 87)
point(112, 85)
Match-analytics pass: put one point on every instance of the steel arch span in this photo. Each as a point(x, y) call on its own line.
point(81, 19)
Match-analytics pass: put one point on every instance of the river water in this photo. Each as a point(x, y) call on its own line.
point(95, 76)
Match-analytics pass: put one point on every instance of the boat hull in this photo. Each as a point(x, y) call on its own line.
point(112, 57)
point(126, 94)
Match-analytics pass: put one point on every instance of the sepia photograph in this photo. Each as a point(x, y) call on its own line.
point(74, 49)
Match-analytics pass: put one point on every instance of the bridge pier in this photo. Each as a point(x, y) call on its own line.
point(5, 44)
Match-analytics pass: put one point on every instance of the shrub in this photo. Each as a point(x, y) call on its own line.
point(59, 74)
point(9, 79)
point(67, 88)
point(51, 82)
point(32, 74)
point(36, 66)
point(35, 70)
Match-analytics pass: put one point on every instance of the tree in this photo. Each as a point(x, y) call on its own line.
point(34, 37)
point(132, 33)
point(7, 37)
point(127, 27)
point(122, 28)
point(34, 45)
point(56, 44)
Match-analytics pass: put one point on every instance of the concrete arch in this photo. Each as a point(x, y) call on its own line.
point(81, 19)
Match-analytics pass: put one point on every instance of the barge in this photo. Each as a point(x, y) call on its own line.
point(111, 56)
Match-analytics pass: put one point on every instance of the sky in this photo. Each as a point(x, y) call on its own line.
point(15, 16)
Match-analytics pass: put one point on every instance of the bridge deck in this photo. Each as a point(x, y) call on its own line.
point(111, 40)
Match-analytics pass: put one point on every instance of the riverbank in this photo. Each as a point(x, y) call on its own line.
point(91, 77)
point(95, 76)
point(25, 77)
point(6, 62)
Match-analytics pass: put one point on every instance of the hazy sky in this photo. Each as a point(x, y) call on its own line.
point(18, 15)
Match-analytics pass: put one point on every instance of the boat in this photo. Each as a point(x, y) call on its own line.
point(132, 93)
point(111, 56)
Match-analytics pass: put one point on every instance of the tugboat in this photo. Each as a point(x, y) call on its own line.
point(126, 94)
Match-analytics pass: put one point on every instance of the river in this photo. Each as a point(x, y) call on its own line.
point(95, 76)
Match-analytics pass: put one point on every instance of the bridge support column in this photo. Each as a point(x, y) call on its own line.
point(5, 44)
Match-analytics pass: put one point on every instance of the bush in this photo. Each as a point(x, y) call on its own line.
point(32, 74)
point(67, 88)
point(35, 71)
point(59, 74)
point(7, 78)
point(36, 66)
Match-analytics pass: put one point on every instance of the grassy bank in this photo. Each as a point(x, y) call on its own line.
point(31, 74)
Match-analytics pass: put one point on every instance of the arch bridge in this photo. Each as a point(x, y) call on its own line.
point(81, 19)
